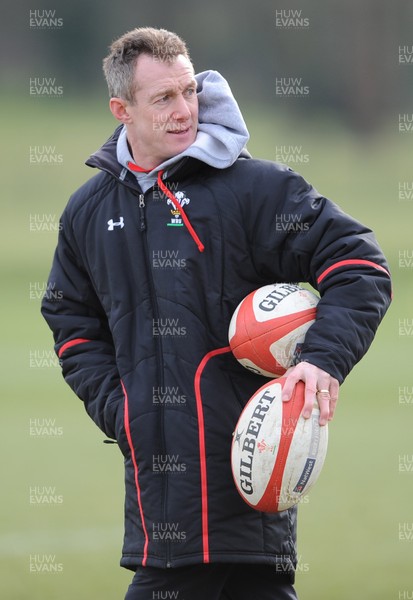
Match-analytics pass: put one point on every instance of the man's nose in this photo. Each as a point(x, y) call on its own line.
point(181, 110)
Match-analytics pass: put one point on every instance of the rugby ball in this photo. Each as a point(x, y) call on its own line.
point(269, 325)
point(276, 454)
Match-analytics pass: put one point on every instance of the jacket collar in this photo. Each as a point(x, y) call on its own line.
point(105, 159)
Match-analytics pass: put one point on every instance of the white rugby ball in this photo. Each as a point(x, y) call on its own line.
point(276, 454)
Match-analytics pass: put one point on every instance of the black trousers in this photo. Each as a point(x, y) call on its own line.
point(211, 582)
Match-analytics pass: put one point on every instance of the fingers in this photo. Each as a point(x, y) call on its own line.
point(292, 378)
point(334, 391)
point(320, 388)
point(323, 399)
point(323, 395)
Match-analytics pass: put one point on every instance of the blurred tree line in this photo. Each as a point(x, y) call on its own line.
point(345, 53)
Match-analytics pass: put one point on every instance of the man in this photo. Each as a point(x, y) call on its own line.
point(155, 253)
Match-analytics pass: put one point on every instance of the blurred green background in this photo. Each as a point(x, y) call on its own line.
point(356, 527)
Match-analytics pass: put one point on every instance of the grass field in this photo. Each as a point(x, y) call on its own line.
point(355, 532)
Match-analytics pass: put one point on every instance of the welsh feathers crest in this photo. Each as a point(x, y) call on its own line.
point(176, 220)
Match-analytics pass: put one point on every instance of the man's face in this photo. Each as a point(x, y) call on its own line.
point(164, 117)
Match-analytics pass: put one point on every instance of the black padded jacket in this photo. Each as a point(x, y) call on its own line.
point(141, 330)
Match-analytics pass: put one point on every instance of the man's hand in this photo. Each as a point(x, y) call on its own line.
point(320, 387)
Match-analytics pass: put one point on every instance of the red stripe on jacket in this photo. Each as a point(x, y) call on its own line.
point(136, 470)
point(202, 448)
point(351, 262)
point(74, 342)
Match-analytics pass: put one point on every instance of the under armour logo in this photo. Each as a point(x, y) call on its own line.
point(112, 224)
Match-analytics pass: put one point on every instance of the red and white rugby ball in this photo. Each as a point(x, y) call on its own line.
point(276, 454)
point(269, 325)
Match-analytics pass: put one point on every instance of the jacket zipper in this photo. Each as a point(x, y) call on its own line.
point(142, 212)
point(159, 354)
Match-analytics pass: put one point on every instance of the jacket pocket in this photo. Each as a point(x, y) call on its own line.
point(120, 429)
point(115, 421)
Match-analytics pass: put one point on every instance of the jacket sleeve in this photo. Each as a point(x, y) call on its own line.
point(304, 237)
point(83, 341)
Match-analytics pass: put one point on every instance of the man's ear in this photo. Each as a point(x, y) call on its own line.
point(119, 109)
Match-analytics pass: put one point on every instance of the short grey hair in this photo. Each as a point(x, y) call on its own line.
point(119, 64)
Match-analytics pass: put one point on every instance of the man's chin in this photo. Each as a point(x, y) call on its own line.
point(177, 143)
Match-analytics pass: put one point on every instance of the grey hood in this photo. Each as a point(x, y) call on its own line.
point(222, 133)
